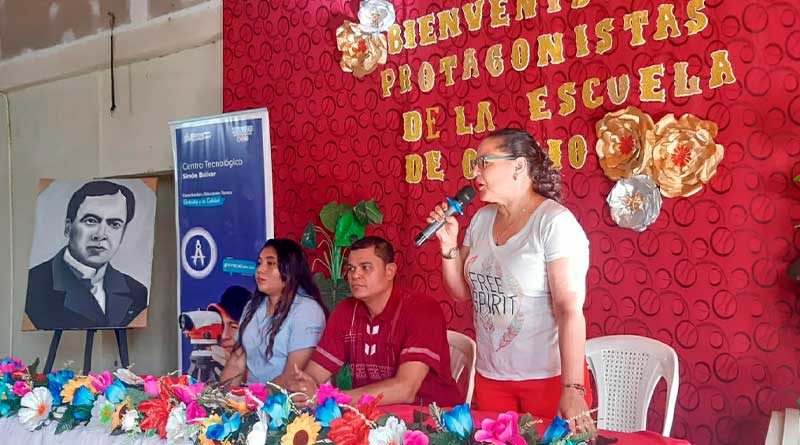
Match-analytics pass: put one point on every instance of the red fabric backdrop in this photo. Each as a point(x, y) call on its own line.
point(708, 278)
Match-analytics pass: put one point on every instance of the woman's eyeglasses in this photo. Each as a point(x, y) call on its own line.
point(481, 161)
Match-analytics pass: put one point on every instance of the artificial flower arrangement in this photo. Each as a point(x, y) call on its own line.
point(673, 157)
point(183, 411)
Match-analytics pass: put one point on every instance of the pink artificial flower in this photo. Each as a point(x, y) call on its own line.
point(194, 412)
point(101, 381)
point(259, 391)
point(414, 438)
point(254, 393)
point(504, 430)
point(21, 388)
point(9, 364)
point(151, 385)
point(327, 391)
point(187, 394)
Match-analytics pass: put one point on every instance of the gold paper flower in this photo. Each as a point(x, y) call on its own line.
point(303, 431)
point(682, 154)
point(621, 142)
point(361, 52)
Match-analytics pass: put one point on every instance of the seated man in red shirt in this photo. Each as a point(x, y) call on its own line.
point(396, 344)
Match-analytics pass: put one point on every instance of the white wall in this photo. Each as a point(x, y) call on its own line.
point(64, 129)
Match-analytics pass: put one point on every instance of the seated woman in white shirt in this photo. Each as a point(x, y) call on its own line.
point(523, 263)
point(283, 321)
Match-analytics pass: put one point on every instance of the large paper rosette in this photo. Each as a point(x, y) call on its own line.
point(635, 203)
point(683, 154)
point(621, 142)
point(362, 52)
point(376, 15)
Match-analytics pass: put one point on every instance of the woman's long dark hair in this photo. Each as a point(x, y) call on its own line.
point(545, 177)
point(296, 274)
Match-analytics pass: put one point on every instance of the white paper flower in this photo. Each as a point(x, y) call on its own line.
point(258, 435)
point(130, 421)
point(635, 203)
point(102, 414)
point(178, 429)
point(128, 377)
point(389, 434)
point(35, 407)
point(376, 15)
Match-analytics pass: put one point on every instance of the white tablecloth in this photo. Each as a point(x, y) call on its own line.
point(12, 432)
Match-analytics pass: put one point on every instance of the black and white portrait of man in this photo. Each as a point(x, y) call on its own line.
point(87, 283)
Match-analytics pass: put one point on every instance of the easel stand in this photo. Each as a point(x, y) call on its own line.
point(122, 344)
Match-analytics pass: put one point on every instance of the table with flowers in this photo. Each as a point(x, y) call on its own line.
point(124, 408)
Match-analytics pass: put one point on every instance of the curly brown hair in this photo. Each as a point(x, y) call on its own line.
point(545, 178)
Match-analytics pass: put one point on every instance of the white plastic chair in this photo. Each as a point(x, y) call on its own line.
point(775, 429)
point(784, 428)
point(626, 370)
point(462, 358)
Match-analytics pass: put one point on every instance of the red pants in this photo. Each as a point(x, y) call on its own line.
point(538, 397)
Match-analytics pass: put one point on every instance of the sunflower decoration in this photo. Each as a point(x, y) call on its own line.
point(304, 430)
point(69, 389)
point(684, 154)
point(621, 142)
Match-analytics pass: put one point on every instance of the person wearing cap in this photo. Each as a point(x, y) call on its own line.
point(282, 322)
point(230, 307)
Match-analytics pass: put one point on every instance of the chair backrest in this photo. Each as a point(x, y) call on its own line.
point(775, 429)
point(784, 428)
point(462, 361)
point(626, 369)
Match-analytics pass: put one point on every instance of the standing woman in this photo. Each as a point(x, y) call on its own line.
point(523, 263)
point(283, 321)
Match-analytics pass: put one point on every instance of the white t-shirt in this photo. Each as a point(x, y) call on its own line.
point(516, 330)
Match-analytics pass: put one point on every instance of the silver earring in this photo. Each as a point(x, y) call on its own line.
point(515, 176)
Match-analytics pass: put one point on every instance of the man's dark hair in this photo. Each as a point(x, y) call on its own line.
point(101, 188)
point(383, 249)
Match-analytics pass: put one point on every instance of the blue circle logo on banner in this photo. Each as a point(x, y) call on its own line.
point(198, 252)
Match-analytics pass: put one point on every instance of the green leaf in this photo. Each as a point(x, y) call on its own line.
point(309, 238)
point(68, 420)
point(527, 429)
point(333, 291)
point(373, 212)
point(348, 229)
point(344, 378)
point(33, 368)
point(367, 213)
point(444, 438)
point(274, 438)
point(331, 213)
point(420, 417)
point(797, 178)
point(137, 396)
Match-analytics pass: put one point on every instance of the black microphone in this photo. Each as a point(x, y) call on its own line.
point(454, 205)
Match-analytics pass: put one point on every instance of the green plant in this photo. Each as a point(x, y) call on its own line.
point(347, 224)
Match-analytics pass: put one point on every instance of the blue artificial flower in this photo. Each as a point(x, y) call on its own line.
point(56, 382)
point(557, 430)
point(83, 397)
point(459, 421)
point(327, 412)
point(277, 407)
point(221, 431)
point(5, 408)
point(115, 392)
